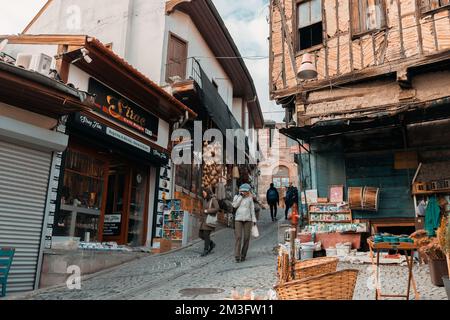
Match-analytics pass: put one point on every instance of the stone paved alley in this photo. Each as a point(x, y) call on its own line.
point(184, 275)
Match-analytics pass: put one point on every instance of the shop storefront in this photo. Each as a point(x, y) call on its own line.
point(32, 140)
point(109, 183)
point(388, 175)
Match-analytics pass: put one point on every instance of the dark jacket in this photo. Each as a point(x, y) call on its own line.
point(291, 197)
point(278, 196)
point(212, 211)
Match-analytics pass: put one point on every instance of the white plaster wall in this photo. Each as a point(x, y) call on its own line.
point(107, 20)
point(163, 134)
point(78, 78)
point(237, 110)
point(181, 25)
point(146, 38)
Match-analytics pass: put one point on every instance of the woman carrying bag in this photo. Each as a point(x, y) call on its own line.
point(208, 220)
point(245, 220)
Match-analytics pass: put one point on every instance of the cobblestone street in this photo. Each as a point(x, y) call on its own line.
point(184, 275)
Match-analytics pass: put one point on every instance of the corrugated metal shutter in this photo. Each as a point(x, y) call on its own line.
point(23, 190)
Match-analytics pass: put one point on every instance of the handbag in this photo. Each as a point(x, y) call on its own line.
point(255, 232)
point(211, 221)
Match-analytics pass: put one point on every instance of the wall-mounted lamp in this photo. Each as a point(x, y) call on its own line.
point(307, 70)
point(84, 55)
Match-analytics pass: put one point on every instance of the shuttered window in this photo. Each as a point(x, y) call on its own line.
point(176, 58)
point(430, 5)
point(367, 15)
point(309, 24)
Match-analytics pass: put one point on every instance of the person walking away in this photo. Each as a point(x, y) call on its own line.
point(245, 219)
point(288, 202)
point(273, 200)
point(210, 207)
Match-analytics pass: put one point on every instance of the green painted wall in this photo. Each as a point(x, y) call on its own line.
point(378, 171)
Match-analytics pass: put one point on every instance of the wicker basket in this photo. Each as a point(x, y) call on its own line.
point(307, 268)
point(333, 286)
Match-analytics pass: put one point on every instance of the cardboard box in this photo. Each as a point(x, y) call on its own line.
point(161, 245)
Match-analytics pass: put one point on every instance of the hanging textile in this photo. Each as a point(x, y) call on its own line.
point(432, 217)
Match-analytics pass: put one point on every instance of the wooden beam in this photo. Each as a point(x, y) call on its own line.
point(37, 16)
point(400, 29)
point(338, 71)
point(419, 26)
point(350, 34)
point(289, 37)
point(271, 56)
point(367, 73)
point(436, 41)
point(325, 39)
point(70, 40)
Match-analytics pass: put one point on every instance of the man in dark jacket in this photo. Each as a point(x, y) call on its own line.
point(291, 198)
point(273, 200)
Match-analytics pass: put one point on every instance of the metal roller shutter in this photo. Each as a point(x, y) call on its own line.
point(23, 190)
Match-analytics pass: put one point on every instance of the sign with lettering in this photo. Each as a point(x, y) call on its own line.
point(123, 111)
point(112, 225)
point(115, 137)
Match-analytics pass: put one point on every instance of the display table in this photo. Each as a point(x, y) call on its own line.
point(408, 249)
point(330, 240)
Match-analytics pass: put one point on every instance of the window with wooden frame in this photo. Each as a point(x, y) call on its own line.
point(367, 16)
point(431, 5)
point(309, 24)
point(177, 52)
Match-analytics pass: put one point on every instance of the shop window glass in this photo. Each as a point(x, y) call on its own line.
point(81, 197)
point(137, 207)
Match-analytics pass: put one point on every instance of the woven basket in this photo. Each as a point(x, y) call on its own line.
point(315, 267)
point(333, 286)
point(307, 268)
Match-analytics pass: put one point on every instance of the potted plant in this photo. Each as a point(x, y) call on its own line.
point(444, 241)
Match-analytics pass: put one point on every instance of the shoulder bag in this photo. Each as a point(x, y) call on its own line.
point(211, 221)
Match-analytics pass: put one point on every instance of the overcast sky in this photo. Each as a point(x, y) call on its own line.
point(246, 20)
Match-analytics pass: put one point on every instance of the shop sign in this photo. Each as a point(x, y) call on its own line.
point(124, 138)
point(95, 125)
point(112, 225)
point(123, 111)
point(108, 132)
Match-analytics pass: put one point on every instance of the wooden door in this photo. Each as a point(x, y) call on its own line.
point(176, 58)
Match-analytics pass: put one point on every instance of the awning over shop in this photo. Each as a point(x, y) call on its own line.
point(37, 93)
point(216, 108)
point(412, 113)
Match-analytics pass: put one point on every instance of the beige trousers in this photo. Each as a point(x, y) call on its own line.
point(242, 241)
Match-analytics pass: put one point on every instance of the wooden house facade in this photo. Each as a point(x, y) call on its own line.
point(380, 104)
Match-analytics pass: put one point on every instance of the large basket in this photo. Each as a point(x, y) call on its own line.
point(333, 286)
point(307, 268)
